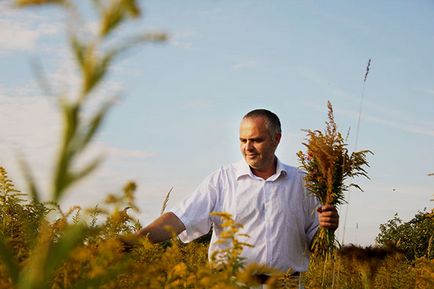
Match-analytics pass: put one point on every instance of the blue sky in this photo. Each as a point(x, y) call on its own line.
point(180, 103)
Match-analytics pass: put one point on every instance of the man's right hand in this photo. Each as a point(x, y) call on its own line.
point(328, 217)
point(156, 232)
point(128, 243)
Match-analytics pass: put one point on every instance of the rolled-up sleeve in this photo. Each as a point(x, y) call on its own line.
point(194, 211)
point(311, 218)
point(311, 203)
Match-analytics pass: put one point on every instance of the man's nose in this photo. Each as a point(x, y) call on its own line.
point(249, 145)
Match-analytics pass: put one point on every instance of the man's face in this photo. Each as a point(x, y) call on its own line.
point(257, 145)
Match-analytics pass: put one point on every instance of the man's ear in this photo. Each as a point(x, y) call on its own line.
point(277, 138)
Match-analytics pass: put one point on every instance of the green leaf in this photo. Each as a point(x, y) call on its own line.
point(78, 50)
point(95, 123)
point(111, 18)
point(62, 177)
point(95, 70)
point(31, 183)
point(63, 247)
point(71, 116)
point(132, 7)
point(8, 259)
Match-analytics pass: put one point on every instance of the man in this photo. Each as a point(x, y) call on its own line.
point(266, 196)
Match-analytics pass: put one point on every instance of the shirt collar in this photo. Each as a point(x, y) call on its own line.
point(243, 169)
point(280, 169)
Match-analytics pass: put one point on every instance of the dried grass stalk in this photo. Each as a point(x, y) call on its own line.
point(328, 164)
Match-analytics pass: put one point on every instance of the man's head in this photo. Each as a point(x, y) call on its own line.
point(272, 121)
point(260, 134)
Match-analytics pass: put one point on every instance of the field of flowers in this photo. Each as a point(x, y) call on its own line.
point(44, 246)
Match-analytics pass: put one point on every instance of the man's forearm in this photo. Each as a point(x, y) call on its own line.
point(162, 228)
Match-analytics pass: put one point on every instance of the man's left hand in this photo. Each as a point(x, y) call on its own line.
point(328, 217)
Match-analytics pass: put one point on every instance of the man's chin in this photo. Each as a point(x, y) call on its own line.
point(254, 165)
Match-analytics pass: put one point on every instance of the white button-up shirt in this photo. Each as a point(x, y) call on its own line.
point(278, 214)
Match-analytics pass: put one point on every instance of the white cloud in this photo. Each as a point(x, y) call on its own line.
point(428, 91)
point(125, 153)
point(30, 128)
point(245, 65)
point(16, 35)
point(181, 39)
point(180, 44)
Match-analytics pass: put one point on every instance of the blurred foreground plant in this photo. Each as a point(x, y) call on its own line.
point(49, 245)
point(230, 239)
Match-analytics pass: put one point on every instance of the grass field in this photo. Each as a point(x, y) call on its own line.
point(43, 246)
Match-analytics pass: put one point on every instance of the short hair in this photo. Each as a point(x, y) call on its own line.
point(272, 121)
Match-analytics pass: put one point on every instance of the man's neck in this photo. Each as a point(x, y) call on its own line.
point(267, 172)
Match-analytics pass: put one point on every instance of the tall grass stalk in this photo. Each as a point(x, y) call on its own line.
point(356, 143)
point(166, 200)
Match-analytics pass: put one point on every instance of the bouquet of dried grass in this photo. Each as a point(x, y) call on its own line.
point(328, 164)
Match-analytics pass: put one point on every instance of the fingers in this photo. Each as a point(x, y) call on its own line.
point(127, 243)
point(328, 217)
point(327, 208)
point(329, 223)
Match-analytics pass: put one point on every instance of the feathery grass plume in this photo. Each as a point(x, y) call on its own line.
point(166, 199)
point(328, 164)
point(7, 254)
point(6, 184)
point(19, 218)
